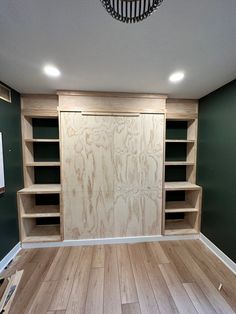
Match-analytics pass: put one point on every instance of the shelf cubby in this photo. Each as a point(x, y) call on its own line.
point(187, 223)
point(33, 230)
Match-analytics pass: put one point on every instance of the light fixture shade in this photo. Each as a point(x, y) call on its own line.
point(131, 11)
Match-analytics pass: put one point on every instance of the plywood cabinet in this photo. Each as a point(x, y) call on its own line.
point(105, 165)
point(112, 174)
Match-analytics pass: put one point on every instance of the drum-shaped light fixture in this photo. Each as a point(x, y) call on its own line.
point(131, 11)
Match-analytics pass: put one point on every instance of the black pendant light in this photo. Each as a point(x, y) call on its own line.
point(131, 11)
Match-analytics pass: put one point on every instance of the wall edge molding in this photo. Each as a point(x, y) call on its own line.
point(9, 257)
point(100, 241)
point(221, 255)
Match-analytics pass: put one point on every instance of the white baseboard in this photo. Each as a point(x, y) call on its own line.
point(6, 260)
point(222, 256)
point(109, 241)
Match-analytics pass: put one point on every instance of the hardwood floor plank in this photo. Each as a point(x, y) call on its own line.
point(184, 274)
point(112, 299)
point(162, 294)
point(43, 298)
point(181, 298)
point(146, 296)
point(71, 280)
point(215, 270)
point(99, 256)
point(58, 263)
point(56, 312)
point(127, 283)
point(158, 253)
point(94, 302)
point(213, 295)
point(78, 294)
point(199, 300)
point(131, 308)
point(25, 298)
point(18, 262)
point(65, 283)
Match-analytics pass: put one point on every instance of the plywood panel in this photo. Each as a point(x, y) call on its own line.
point(126, 143)
point(111, 102)
point(111, 174)
point(151, 156)
point(86, 152)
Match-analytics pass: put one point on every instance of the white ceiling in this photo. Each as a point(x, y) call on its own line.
point(96, 52)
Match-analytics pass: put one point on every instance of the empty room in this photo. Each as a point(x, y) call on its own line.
point(117, 156)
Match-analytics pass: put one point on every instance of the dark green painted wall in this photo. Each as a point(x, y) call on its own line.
point(217, 167)
point(11, 132)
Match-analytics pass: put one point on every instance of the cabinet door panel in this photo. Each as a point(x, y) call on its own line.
point(112, 170)
point(151, 155)
point(87, 151)
point(126, 145)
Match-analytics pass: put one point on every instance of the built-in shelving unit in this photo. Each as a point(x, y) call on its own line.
point(182, 197)
point(39, 200)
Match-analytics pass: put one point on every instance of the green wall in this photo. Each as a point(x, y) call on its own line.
point(217, 167)
point(11, 132)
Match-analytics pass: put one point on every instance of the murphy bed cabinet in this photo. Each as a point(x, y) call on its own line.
point(103, 165)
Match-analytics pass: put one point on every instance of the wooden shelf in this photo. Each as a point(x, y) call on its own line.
point(43, 215)
point(43, 164)
point(179, 163)
point(41, 211)
point(41, 140)
point(178, 226)
point(180, 141)
point(43, 233)
point(179, 207)
point(42, 189)
point(182, 185)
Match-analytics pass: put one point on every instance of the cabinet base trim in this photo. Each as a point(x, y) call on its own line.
point(139, 239)
point(221, 255)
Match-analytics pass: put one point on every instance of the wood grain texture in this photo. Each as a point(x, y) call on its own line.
point(213, 295)
point(94, 301)
point(99, 256)
point(121, 274)
point(76, 304)
point(198, 299)
point(181, 298)
point(65, 282)
point(111, 102)
point(112, 298)
point(112, 173)
point(131, 308)
point(144, 289)
point(127, 284)
point(162, 294)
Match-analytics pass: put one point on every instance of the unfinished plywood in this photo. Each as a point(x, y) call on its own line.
point(111, 174)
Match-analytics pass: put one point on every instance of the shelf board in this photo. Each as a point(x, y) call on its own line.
point(181, 185)
point(43, 233)
point(42, 211)
point(41, 189)
point(41, 140)
point(178, 226)
point(38, 215)
point(180, 141)
point(43, 164)
point(179, 163)
point(179, 207)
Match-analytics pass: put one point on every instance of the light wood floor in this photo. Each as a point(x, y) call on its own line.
point(166, 277)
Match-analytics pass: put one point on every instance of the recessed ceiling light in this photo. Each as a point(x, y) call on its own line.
point(51, 70)
point(176, 77)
